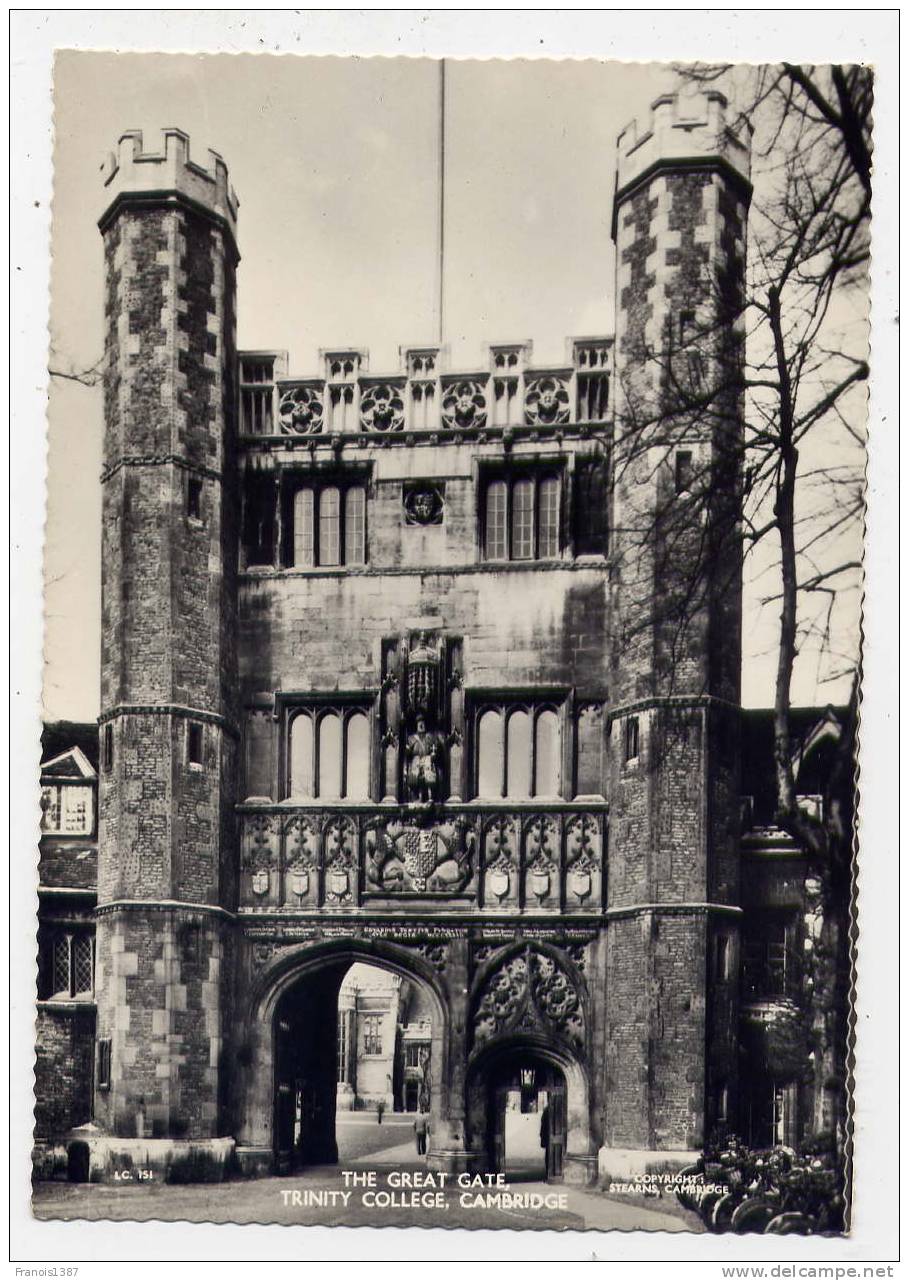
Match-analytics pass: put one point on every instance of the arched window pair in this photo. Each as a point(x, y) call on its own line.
point(329, 755)
point(329, 525)
point(519, 752)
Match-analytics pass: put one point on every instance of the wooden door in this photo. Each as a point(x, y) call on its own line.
point(555, 1152)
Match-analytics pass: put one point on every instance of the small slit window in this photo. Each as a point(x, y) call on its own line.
point(104, 1063)
point(194, 744)
point(683, 471)
point(194, 498)
point(632, 738)
point(107, 752)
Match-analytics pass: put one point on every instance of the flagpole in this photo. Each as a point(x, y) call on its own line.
point(441, 199)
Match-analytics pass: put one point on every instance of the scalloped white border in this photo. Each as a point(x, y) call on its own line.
point(753, 35)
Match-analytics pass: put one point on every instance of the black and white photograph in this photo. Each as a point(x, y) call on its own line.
point(454, 566)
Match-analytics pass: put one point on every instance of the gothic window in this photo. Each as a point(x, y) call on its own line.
point(257, 395)
point(372, 1034)
point(519, 751)
point(592, 363)
point(68, 964)
point(412, 1054)
point(769, 954)
point(328, 525)
point(522, 517)
point(67, 809)
point(591, 506)
point(343, 1049)
point(328, 756)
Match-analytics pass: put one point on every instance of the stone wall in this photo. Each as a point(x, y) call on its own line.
point(64, 1057)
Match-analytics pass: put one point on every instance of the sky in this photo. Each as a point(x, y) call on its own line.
point(335, 162)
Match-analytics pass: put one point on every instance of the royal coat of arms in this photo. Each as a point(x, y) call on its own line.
point(421, 855)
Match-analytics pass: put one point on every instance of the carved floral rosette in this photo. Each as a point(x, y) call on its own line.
point(546, 401)
point(464, 404)
point(382, 407)
point(301, 411)
point(529, 991)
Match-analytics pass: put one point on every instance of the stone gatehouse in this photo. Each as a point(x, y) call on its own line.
point(383, 681)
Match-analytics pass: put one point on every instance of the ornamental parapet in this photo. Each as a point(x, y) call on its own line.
point(424, 398)
point(538, 858)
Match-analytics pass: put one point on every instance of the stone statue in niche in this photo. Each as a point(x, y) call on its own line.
point(423, 505)
point(424, 758)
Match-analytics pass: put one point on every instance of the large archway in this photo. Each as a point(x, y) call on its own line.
point(289, 1092)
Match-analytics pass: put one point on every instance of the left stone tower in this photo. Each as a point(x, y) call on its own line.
point(168, 664)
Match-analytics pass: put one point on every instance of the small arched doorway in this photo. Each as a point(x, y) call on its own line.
point(526, 1118)
point(527, 1111)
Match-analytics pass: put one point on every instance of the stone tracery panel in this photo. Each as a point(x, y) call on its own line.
point(501, 872)
point(259, 860)
point(301, 410)
point(530, 991)
point(546, 401)
point(339, 861)
point(382, 407)
point(541, 861)
point(583, 862)
point(300, 863)
point(464, 404)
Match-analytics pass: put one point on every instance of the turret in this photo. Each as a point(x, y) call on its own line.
point(679, 222)
point(168, 680)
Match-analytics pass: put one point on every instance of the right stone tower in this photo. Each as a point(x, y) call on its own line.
point(679, 223)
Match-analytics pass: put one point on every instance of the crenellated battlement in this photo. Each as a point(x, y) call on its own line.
point(132, 173)
point(683, 128)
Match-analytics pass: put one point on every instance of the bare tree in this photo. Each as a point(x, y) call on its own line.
point(797, 467)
